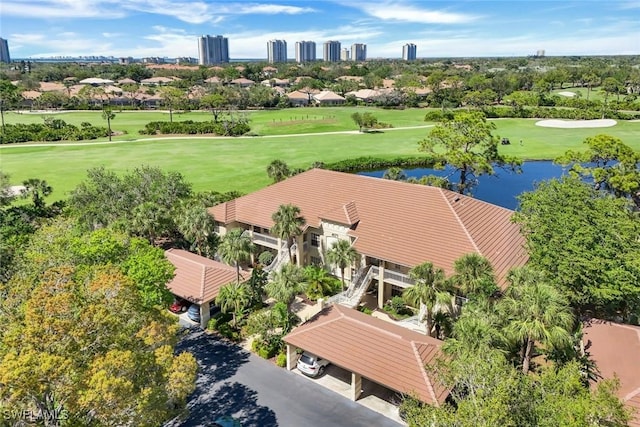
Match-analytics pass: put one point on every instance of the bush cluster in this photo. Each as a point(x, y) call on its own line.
point(51, 130)
point(220, 324)
point(267, 348)
point(495, 112)
point(189, 127)
point(366, 163)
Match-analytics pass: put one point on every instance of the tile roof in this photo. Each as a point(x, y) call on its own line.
point(399, 222)
point(327, 95)
point(380, 351)
point(198, 279)
point(616, 350)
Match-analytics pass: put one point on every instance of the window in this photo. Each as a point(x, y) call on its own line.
point(315, 240)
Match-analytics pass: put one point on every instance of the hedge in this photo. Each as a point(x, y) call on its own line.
point(52, 130)
point(366, 163)
point(189, 127)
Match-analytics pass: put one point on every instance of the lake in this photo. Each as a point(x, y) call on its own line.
point(502, 188)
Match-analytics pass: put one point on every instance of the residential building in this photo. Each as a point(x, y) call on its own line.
point(213, 50)
point(327, 97)
point(305, 51)
point(344, 54)
point(393, 225)
point(409, 52)
point(125, 60)
point(359, 52)
point(4, 51)
point(276, 51)
point(331, 51)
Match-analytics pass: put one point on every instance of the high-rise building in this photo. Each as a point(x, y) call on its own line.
point(409, 52)
point(305, 51)
point(213, 50)
point(359, 52)
point(4, 51)
point(344, 54)
point(277, 51)
point(331, 51)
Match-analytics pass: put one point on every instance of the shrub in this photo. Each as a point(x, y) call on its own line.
point(212, 324)
point(281, 359)
point(366, 310)
point(375, 163)
point(265, 258)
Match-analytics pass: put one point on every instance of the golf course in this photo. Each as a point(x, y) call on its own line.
point(298, 136)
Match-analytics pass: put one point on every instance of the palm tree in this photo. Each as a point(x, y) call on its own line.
point(287, 223)
point(235, 248)
point(473, 274)
point(278, 170)
point(318, 282)
point(37, 189)
point(536, 312)
point(197, 227)
point(233, 297)
point(285, 284)
point(342, 255)
point(431, 292)
point(108, 115)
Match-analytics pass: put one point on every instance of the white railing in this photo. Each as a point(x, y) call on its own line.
point(398, 277)
point(259, 237)
point(352, 296)
point(281, 256)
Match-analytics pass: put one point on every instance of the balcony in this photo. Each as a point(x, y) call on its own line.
point(265, 240)
point(398, 279)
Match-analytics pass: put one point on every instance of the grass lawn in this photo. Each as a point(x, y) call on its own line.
point(224, 164)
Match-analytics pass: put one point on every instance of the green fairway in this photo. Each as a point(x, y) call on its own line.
point(224, 164)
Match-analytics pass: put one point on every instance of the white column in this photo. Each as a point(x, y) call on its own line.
point(356, 386)
point(381, 285)
point(291, 357)
point(204, 314)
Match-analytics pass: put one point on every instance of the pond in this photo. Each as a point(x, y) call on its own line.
point(502, 188)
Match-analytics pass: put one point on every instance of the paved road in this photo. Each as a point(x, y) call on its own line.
point(232, 381)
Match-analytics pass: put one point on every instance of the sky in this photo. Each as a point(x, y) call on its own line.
point(170, 28)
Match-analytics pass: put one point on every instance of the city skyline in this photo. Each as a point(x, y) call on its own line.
point(146, 28)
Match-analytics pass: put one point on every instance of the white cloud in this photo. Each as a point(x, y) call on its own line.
point(46, 9)
point(400, 12)
point(272, 9)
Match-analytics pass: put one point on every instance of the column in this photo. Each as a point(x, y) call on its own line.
point(299, 249)
point(381, 285)
point(292, 357)
point(356, 386)
point(252, 255)
point(204, 314)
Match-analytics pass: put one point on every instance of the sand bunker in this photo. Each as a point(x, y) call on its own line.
point(569, 124)
point(569, 94)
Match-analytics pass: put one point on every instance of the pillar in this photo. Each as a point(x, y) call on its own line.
point(252, 256)
point(381, 293)
point(356, 386)
point(292, 357)
point(299, 249)
point(204, 314)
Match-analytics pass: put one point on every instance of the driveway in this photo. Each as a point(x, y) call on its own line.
point(232, 381)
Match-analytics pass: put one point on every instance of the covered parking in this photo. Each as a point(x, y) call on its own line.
point(199, 279)
point(387, 354)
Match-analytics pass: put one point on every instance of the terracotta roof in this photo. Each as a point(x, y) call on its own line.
point(296, 94)
point(365, 93)
point(345, 214)
point(616, 350)
point(154, 80)
point(327, 95)
point(242, 81)
point(404, 223)
point(213, 80)
point(198, 279)
point(51, 87)
point(380, 351)
point(126, 81)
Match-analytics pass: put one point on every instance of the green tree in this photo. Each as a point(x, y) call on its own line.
point(278, 170)
point(318, 282)
point(586, 243)
point(469, 147)
point(6, 193)
point(108, 115)
point(342, 255)
point(430, 293)
point(474, 275)
point(233, 298)
point(286, 284)
point(235, 247)
point(216, 103)
point(287, 224)
point(37, 190)
point(394, 174)
point(197, 227)
point(358, 120)
point(172, 98)
point(537, 313)
point(9, 98)
point(609, 164)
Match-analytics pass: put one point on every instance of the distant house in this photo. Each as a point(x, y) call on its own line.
point(96, 81)
point(616, 350)
point(213, 80)
point(298, 98)
point(127, 81)
point(158, 81)
point(242, 82)
point(327, 97)
point(366, 95)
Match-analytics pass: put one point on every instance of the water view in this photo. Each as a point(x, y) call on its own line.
point(502, 188)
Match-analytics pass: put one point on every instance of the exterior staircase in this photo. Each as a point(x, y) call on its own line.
point(353, 295)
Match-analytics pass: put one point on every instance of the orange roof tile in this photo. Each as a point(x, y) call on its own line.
point(380, 351)
point(403, 223)
point(616, 350)
point(345, 214)
point(198, 279)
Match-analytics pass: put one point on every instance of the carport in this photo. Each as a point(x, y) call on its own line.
point(199, 279)
point(387, 354)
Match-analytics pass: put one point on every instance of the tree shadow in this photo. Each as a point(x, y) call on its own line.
point(231, 399)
